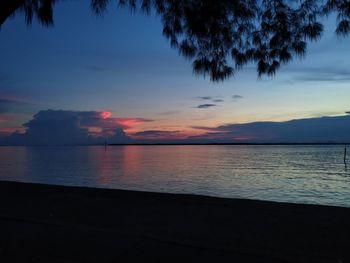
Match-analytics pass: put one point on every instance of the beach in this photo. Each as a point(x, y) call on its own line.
point(46, 223)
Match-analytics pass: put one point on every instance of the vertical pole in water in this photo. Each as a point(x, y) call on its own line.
point(345, 157)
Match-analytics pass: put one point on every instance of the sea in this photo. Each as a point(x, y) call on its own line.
point(311, 174)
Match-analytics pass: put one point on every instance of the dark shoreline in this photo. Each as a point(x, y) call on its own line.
point(179, 144)
point(46, 223)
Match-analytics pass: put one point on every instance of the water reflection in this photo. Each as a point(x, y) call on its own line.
point(308, 174)
point(119, 163)
point(131, 163)
point(102, 160)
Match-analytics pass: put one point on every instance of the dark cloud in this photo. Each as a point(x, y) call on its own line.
point(319, 74)
point(324, 78)
point(237, 97)
point(323, 129)
point(205, 128)
point(204, 97)
point(205, 106)
point(214, 99)
point(218, 100)
point(59, 127)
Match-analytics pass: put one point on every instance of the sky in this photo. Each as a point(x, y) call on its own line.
point(117, 77)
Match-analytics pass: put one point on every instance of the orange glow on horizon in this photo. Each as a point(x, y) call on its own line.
point(171, 136)
point(9, 131)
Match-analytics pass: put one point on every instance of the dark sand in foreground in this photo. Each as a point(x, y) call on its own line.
point(41, 223)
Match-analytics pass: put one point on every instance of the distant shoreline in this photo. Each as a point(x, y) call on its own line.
point(175, 144)
point(189, 144)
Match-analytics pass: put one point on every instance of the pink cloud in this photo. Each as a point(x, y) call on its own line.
point(130, 122)
point(102, 122)
point(105, 114)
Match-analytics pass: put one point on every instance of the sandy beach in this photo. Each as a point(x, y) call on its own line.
point(42, 223)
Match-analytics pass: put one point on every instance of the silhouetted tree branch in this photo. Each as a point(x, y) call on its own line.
point(42, 9)
point(8, 8)
point(220, 37)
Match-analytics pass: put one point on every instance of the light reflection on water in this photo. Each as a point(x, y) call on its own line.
point(303, 174)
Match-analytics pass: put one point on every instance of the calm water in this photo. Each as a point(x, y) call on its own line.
point(303, 174)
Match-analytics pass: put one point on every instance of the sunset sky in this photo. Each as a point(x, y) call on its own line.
point(120, 70)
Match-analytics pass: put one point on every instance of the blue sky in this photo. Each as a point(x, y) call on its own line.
point(122, 64)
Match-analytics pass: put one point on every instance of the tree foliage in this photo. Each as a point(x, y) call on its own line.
point(220, 37)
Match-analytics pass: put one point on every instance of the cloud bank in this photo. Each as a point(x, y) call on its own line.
point(59, 127)
point(311, 130)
